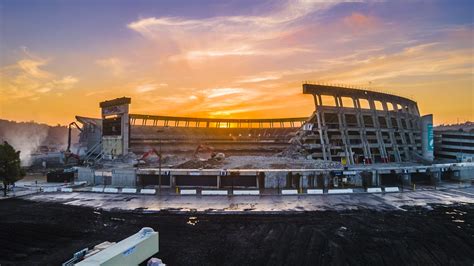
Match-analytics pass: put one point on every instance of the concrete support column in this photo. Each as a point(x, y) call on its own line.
point(375, 178)
point(327, 179)
point(172, 180)
point(343, 130)
point(315, 101)
point(378, 132)
point(363, 134)
point(435, 177)
point(406, 179)
point(320, 131)
point(326, 137)
point(401, 131)
point(393, 140)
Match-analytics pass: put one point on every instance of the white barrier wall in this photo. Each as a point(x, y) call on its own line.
point(50, 189)
point(392, 189)
point(246, 192)
point(188, 192)
point(66, 189)
point(111, 190)
point(374, 190)
point(315, 191)
point(340, 191)
point(214, 192)
point(289, 192)
point(97, 189)
point(148, 191)
point(129, 190)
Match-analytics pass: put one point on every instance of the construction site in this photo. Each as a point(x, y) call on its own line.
point(298, 190)
point(355, 139)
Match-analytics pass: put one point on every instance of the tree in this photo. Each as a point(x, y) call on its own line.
point(10, 170)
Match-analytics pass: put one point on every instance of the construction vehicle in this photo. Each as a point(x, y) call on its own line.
point(68, 154)
point(143, 160)
point(218, 156)
point(131, 251)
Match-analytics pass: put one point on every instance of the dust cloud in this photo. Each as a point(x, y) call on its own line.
point(29, 137)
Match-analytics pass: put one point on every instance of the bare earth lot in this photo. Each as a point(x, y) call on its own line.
point(48, 233)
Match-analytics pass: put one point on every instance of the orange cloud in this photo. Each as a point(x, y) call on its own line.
point(358, 20)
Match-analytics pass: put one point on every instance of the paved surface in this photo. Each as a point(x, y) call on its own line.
point(48, 233)
point(231, 204)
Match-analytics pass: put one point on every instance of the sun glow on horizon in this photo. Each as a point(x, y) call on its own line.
point(232, 60)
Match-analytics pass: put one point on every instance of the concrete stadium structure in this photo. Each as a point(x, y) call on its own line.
point(351, 125)
point(365, 126)
point(181, 135)
point(354, 126)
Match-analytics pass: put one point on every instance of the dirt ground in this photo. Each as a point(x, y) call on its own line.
point(49, 233)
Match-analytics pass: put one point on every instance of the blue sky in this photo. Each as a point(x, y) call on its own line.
point(230, 58)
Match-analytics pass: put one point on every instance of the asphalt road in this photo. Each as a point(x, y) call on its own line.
point(48, 233)
point(255, 204)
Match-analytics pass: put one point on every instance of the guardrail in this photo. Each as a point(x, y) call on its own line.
point(222, 192)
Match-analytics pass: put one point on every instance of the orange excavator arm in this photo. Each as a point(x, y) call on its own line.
point(148, 153)
point(204, 148)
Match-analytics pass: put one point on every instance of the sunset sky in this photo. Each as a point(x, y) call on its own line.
point(241, 58)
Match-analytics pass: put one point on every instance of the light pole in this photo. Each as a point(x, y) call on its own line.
point(159, 162)
point(159, 158)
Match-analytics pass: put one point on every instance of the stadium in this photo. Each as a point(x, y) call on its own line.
point(355, 126)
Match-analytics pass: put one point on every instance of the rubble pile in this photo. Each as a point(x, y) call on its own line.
point(275, 162)
point(296, 149)
point(200, 164)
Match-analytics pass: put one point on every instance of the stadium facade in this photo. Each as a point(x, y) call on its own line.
point(351, 125)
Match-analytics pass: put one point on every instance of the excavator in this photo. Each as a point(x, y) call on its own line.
point(143, 160)
point(67, 153)
point(218, 156)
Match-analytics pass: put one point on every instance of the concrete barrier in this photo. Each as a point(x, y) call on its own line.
point(214, 192)
point(374, 190)
point(289, 192)
point(246, 192)
point(315, 191)
point(66, 189)
point(391, 189)
point(97, 189)
point(129, 190)
point(148, 191)
point(50, 189)
point(188, 192)
point(111, 190)
point(340, 191)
